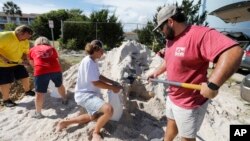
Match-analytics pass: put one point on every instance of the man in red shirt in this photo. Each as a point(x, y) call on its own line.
point(189, 49)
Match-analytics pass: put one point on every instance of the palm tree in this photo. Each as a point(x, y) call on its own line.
point(12, 9)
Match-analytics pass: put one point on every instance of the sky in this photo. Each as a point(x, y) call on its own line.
point(127, 11)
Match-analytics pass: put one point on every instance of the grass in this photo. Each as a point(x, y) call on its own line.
point(68, 60)
point(66, 63)
point(72, 59)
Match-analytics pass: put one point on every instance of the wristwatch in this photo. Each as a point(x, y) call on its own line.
point(212, 86)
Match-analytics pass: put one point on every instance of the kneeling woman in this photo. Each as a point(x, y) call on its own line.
point(87, 91)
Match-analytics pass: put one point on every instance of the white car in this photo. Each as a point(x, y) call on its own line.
point(245, 88)
point(245, 62)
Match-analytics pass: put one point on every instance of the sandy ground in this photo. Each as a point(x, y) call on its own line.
point(142, 120)
point(143, 116)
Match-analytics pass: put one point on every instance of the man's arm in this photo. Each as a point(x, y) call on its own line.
point(25, 59)
point(101, 84)
point(31, 63)
point(105, 79)
point(158, 71)
point(227, 64)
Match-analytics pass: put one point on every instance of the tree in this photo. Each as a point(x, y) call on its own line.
point(193, 17)
point(76, 31)
point(100, 25)
point(154, 40)
point(106, 27)
point(144, 34)
point(79, 29)
point(41, 27)
point(76, 15)
point(10, 27)
point(192, 12)
point(73, 32)
point(10, 8)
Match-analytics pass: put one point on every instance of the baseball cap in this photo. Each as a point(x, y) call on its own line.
point(165, 13)
point(97, 43)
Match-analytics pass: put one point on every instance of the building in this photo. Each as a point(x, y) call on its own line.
point(16, 19)
point(130, 36)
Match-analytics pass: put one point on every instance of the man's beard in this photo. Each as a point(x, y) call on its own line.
point(170, 33)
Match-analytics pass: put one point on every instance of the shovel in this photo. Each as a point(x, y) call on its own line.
point(173, 83)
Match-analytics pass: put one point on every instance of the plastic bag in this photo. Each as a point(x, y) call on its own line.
point(114, 100)
point(53, 90)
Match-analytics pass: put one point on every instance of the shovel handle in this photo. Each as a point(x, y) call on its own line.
point(191, 86)
point(178, 84)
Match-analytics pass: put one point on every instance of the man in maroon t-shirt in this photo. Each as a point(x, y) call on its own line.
point(188, 51)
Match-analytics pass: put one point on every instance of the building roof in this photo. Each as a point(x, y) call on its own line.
point(24, 15)
point(130, 36)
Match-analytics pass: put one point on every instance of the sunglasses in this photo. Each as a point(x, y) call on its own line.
point(162, 25)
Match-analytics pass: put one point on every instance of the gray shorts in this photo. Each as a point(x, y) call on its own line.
point(92, 103)
point(188, 121)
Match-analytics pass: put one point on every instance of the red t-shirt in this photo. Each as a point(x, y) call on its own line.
point(45, 59)
point(188, 57)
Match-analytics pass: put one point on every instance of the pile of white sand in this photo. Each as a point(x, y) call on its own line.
point(144, 113)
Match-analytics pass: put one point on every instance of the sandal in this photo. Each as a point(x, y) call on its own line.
point(30, 93)
point(9, 103)
point(65, 101)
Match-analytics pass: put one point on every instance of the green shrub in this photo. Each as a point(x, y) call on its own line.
point(61, 43)
point(10, 27)
point(71, 44)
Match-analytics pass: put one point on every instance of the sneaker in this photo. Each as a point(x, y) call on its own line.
point(38, 115)
point(30, 93)
point(9, 103)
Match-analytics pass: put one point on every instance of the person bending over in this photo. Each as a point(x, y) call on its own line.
point(14, 47)
point(44, 59)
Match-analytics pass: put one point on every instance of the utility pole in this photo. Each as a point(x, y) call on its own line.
point(61, 29)
point(203, 6)
point(95, 30)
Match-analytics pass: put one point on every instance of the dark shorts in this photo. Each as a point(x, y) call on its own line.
point(42, 81)
point(10, 74)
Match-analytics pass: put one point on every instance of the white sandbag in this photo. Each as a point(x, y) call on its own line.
point(53, 90)
point(114, 100)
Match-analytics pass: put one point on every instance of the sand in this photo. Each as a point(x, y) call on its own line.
point(143, 116)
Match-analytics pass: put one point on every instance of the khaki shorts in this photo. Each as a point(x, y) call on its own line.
point(188, 121)
point(92, 103)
